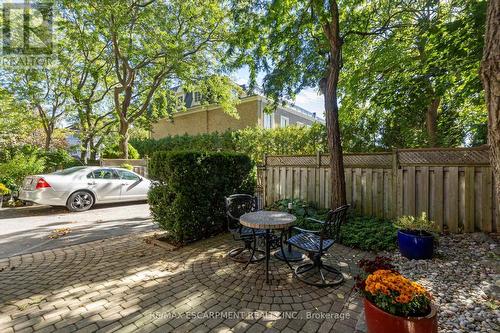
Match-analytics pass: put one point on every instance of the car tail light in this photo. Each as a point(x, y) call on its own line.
point(42, 184)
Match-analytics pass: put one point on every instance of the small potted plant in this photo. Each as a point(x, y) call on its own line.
point(415, 236)
point(392, 302)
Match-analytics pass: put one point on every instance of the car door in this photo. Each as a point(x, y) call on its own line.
point(133, 186)
point(106, 184)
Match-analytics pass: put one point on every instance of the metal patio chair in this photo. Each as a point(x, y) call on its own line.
point(236, 206)
point(316, 244)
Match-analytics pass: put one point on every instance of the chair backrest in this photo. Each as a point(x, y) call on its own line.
point(237, 205)
point(331, 227)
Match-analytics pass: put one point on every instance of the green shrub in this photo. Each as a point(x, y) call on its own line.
point(113, 151)
point(254, 142)
point(30, 160)
point(365, 233)
point(369, 234)
point(187, 198)
point(127, 166)
point(302, 210)
point(57, 159)
point(4, 190)
point(419, 224)
point(13, 171)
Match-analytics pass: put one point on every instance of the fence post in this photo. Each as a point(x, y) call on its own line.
point(395, 166)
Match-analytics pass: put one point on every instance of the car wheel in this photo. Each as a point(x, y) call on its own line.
point(80, 201)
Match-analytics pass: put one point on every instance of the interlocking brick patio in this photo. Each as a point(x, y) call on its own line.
point(126, 285)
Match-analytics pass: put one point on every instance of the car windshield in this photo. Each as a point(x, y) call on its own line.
point(69, 171)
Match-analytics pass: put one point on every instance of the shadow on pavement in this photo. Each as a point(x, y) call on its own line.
point(38, 210)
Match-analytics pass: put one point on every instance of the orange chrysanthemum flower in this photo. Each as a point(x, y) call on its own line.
point(389, 283)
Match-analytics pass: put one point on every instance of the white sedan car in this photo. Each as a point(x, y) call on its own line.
point(79, 188)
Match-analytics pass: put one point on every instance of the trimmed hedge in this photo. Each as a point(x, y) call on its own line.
point(254, 142)
point(187, 198)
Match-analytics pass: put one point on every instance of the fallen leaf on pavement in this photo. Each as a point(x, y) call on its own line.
point(56, 233)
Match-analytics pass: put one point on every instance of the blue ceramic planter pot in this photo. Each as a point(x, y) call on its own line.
point(413, 245)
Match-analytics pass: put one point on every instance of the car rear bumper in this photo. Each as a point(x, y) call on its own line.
point(44, 196)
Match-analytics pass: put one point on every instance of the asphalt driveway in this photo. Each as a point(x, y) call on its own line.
point(37, 228)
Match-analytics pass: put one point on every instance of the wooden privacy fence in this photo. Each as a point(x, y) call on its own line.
point(453, 186)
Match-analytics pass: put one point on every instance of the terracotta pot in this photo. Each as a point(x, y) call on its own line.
point(379, 321)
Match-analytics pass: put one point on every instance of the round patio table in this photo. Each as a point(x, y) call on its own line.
point(267, 220)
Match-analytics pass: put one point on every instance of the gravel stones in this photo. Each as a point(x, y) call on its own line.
point(464, 280)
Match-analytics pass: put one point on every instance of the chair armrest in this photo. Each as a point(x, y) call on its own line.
point(315, 220)
point(306, 231)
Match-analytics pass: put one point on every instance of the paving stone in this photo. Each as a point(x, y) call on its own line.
point(310, 327)
point(124, 284)
point(110, 328)
point(256, 328)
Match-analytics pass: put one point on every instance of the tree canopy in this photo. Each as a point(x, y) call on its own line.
point(431, 61)
point(407, 70)
point(153, 46)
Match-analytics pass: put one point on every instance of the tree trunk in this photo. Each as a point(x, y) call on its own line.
point(329, 87)
point(338, 194)
point(490, 75)
point(94, 149)
point(124, 136)
point(48, 127)
point(431, 121)
point(48, 139)
point(83, 152)
point(121, 108)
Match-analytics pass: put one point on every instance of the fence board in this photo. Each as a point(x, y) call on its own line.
point(327, 187)
point(368, 197)
point(487, 189)
point(389, 193)
point(400, 193)
point(410, 201)
point(348, 185)
point(303, 183)
point(358, 191)
point(311, 175)
point(424, 191)
point(379, 193)
point(288, 182)
point(454, 186)
point(438, 202)
point(453, 204)
point(469, 199)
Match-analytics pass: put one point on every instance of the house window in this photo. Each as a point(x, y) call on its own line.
point(284, 121)
point(197, 97)
point(268, 120)
point(180, 99)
